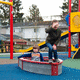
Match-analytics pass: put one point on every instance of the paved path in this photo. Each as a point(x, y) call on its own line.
point(8, 61)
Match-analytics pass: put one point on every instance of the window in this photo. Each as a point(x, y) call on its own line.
point(34, 30)
point(20, 30)
point(13, 30)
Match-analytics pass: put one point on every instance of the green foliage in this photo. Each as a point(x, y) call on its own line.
point(5, 12)
point(65, 7)
point(17, 16)
point(75, 6)
point(34, 14)
point(16, 9)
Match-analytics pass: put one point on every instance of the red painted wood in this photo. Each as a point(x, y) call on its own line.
point(79, 39)
point(79, 5)
point(26, 60)
point(54, 70)
point(79, 32)
point(69, 35)
point(11, 31)
point(22, 43)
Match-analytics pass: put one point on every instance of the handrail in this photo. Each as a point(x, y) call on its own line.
point(9, 3)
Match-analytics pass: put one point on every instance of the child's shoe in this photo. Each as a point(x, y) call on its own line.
point(57, 60)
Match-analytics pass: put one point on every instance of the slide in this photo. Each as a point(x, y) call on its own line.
point(42, 44)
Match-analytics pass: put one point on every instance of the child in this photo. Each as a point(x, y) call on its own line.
point(54, 34)
point(35, 55)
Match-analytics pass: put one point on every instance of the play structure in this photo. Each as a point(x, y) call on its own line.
point(73, 20)
point(11, 25)
point(45, 67)
point(42, 44)
point(54, 69)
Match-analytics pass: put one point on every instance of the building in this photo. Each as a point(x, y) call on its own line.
point(18, 42)
point(31, 31)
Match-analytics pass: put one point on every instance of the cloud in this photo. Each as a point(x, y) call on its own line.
point(46, 7)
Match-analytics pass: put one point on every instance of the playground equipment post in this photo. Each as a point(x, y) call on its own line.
point(79, 32)
point(11, 31)
point(69, 35)
point(11, 26)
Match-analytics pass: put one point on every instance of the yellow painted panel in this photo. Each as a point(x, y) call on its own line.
point(73, 48)
point(9, 3)
point(75, 22)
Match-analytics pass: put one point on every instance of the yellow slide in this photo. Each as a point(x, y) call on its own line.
point(73, 48)
point(42, 44)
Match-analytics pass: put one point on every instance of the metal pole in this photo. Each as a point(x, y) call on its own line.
point(69, 35)
point(79, 32)
point(11, 31)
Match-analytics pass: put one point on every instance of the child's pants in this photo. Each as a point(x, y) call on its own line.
point(52, 50)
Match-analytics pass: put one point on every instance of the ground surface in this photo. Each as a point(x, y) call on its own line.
point(72, 63)
point(11, 71)
point(8, 61)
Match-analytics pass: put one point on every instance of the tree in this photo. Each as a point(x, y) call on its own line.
point(16, 11)
point(65, 7)
point(75, 6)
point(5, 11)
point(34, 14)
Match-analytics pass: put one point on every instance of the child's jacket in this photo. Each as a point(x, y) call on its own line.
point(34, 56)
point(53, 35)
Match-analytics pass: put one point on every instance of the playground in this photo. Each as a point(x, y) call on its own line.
point(9, 65)
point(11, 71)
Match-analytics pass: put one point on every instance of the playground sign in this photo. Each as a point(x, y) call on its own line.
point(75, 21)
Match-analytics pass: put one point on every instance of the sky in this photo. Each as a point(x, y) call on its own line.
point(46, 7)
